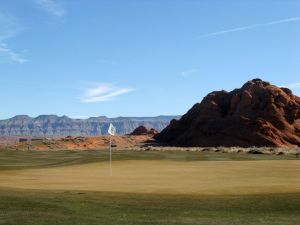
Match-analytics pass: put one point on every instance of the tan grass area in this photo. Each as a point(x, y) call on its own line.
point(157, 176)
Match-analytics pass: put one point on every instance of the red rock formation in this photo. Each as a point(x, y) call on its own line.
point(153, 131)
point(258, 114)
point(141, 130)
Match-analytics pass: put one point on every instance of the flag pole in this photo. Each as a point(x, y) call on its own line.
point(111, 131)
point(110, 156)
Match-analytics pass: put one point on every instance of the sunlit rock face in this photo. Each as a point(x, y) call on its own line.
point(257, 114)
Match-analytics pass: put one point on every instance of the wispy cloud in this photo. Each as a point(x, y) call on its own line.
point(295, 88)
point(250, 27)
point(294, 85)
point(11, 55)
point(103, 93)
point(53, 7)
point(106, 61)
point(189, 72)
point(9, 28)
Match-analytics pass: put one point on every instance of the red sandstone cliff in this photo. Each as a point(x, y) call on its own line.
point(258, 114)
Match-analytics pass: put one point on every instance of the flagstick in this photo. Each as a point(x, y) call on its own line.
point(110, 156)
point(111, 131)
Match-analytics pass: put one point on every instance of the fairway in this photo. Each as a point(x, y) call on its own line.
point(148, 188)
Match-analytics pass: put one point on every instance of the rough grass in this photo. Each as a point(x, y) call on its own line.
point(251, 150)
point(78, 208)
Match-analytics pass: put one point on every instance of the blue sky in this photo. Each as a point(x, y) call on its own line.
point(84, 58)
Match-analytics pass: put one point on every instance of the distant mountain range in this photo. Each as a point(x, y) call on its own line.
point(54, 126)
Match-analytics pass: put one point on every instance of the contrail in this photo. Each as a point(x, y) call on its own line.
point(251, 27)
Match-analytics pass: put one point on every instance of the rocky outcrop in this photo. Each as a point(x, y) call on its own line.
point(51, 125)
point(258, 114)
point(142, 130)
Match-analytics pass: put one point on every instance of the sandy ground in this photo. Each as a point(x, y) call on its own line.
point(157, 176)
point(77, 143)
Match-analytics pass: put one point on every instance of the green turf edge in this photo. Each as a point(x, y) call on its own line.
point(35, 207)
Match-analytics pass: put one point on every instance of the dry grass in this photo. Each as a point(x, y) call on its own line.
point(252, 150)
point(78, 143)
point(164, 177)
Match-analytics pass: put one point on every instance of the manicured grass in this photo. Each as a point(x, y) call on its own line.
point(37, 159)
point(74, 208)
point(149, 187)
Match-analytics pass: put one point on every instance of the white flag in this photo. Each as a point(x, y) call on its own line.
point(111, 129)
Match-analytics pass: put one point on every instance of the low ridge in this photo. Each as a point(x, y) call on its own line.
point(142, 130)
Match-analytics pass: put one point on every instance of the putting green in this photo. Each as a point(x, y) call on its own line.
point(163, 177)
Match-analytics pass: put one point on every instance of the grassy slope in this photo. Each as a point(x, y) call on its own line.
point(34, 207)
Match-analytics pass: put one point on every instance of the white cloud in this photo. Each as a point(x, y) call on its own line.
point(249, 27)
point(54, 7)
point(189, 72)
point(8, 26)
point(103, 93)
point(294, 85)
point(8, 29)
point(11, 55)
